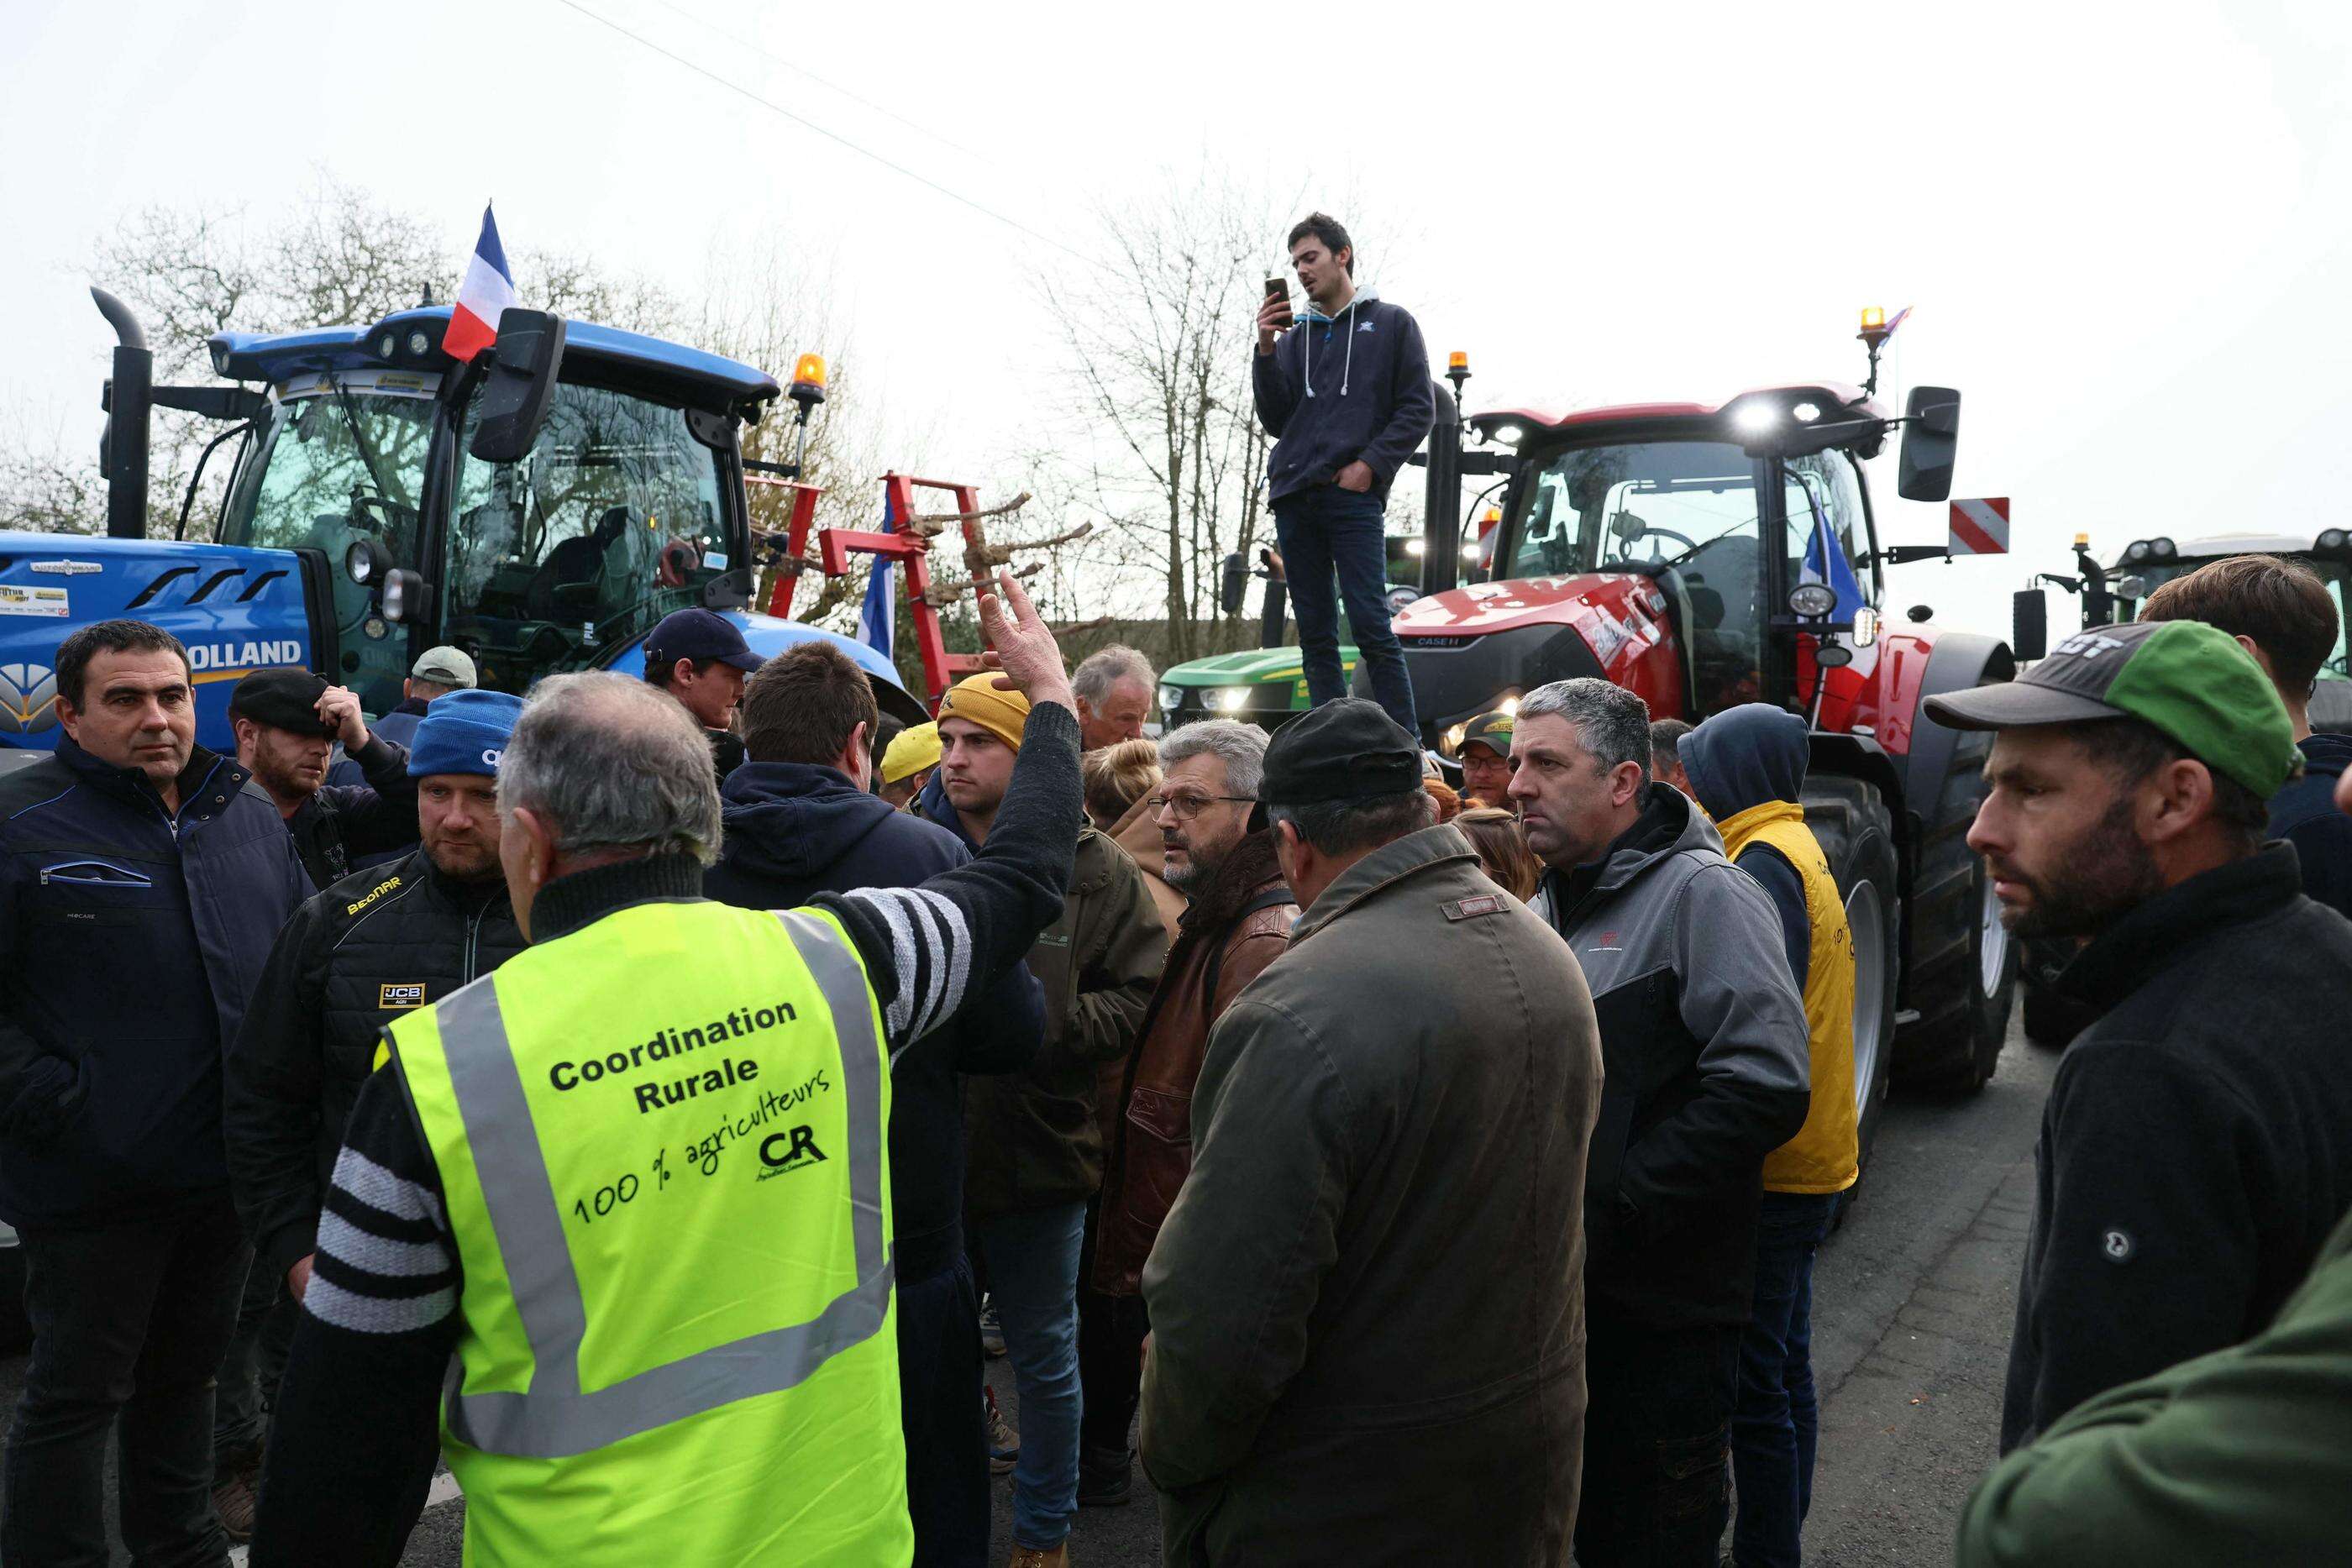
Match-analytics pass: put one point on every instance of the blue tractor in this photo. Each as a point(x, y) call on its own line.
point(541, 508)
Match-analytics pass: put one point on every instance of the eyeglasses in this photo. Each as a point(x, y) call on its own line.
point(1184, 807)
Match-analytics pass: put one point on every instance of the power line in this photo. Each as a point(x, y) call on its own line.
point(801, 70)
point(834, 136)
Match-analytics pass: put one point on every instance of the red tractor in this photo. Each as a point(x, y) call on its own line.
point(1684, 550)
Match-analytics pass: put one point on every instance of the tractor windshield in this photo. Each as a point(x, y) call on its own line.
point(342, 456)
point(1682, 512)
point(612, 520)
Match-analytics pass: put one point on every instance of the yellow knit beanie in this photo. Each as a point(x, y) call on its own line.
point(976, 700)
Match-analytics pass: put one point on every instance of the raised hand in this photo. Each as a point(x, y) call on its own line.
point(1023, 646)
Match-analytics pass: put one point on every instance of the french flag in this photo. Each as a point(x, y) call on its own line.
point(482, 297)
point(877, 616)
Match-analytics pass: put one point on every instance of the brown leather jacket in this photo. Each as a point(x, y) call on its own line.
point(1138, 834)
point(1152, 1151)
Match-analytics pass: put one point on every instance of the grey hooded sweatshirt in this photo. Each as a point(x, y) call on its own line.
point(1704, 1066)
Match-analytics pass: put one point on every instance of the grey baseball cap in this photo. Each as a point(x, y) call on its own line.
point(446, 667)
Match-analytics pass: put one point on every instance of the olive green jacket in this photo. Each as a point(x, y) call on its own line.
point(1032, 1138)
point(2243, 1456)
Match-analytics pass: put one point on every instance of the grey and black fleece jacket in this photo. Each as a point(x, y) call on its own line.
point(1705, 1064)
point(352, 1441)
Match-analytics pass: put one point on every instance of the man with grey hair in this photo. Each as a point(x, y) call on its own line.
point(1114, 688)
point(1388, 1163)
point(563, 1192)
point(1703, 1042)
point(1218, 852)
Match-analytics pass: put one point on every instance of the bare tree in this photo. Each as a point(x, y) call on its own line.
point(1159, 342)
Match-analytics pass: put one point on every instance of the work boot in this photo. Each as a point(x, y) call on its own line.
point(235, 1498)
point(1003, 1442)
point(1105, 1476)
point(1045, 1557)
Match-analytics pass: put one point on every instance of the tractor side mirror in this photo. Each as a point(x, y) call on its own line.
point(2030, 632)
point(524, 364)
point(1233, 583)
point(1931, 438)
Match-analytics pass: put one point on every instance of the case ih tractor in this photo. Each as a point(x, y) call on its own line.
point(1664, 547)
point(543, 507)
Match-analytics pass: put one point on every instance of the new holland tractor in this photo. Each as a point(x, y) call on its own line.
point(1664, 547)
point(541, 507)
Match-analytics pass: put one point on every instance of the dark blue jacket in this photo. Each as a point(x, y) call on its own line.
point(130, 943)
point(794, 831)
point(1744, 756)
point(1335, 391)
point(2305, 815)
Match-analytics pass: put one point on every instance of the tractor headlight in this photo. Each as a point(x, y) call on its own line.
point(1756, 418)
point(2163, 549)
point(2332, 539)
point(1865, 627)
point(220, 358)
point(1171, 698)
point(1811, 600)
point(1805, 412)
point(1230, 699)
point(419, 344)
point(2136, 552)
point(366, 560)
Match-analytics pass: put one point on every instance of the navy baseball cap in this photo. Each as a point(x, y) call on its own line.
point(699, 634)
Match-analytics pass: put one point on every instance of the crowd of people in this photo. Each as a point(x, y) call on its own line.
point(657, 1097)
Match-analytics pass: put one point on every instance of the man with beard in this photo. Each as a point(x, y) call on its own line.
point(366, 951)
point(1485, 753)
point(2196, 1147)
point(1215, 851)
point(285, 722)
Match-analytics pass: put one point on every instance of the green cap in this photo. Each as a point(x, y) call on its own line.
point(1491, 730)
point(2187, 679)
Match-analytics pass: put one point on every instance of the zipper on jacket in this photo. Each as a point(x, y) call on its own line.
point(473, 930)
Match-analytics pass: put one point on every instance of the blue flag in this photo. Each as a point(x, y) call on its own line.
point(1826, 563)
point(877, 618)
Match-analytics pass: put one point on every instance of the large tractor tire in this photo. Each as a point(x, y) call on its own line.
point(1963, 966)
point(1856, 832)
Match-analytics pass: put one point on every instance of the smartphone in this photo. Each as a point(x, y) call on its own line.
point(1279, 288)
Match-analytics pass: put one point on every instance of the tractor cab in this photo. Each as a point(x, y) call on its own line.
point(553, 545)
point(1702, 555)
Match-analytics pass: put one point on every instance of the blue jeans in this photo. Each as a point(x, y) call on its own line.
point(1032, 1274)
point(1328, 530)
point(1778, 1419)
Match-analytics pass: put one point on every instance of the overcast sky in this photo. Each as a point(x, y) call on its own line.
point(2125, 231)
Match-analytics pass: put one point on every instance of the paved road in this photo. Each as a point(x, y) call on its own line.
point(1913, 1299)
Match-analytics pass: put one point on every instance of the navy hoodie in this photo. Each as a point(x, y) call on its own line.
point(1743, 757)
point(1334, 392)
point(793, 831)
point(2305, 815)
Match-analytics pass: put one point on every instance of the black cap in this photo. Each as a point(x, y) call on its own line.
point(1346, 750)
point(282, 699)
point(699, 634)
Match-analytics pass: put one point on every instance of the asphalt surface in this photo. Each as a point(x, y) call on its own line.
point(1913, 1299)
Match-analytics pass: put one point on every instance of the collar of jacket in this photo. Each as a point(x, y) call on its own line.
point(1251, 867)
point(2152, 935)
point(584, 897)
point(1670, 822)
point(447, 889)
point(131, 784)
point(1408, 857)
point(1734, 830)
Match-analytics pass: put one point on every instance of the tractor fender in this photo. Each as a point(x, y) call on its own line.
point(1830, 751)
point(1960, 660)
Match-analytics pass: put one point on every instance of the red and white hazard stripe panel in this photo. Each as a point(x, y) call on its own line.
point(1981, 528)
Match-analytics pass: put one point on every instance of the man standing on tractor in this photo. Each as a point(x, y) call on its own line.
point(1703, 1039)
point(1340, 439)
point(1747, 770)
point(2284, 615)
point(2196, 1146)
point(286, 721)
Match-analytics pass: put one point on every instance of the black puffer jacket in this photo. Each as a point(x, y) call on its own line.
point(353, 959)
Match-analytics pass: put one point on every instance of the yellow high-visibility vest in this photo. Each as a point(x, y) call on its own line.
point(661, 1141)
point(1822, 1158)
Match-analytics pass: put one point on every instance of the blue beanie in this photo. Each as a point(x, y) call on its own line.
point(463, 732)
